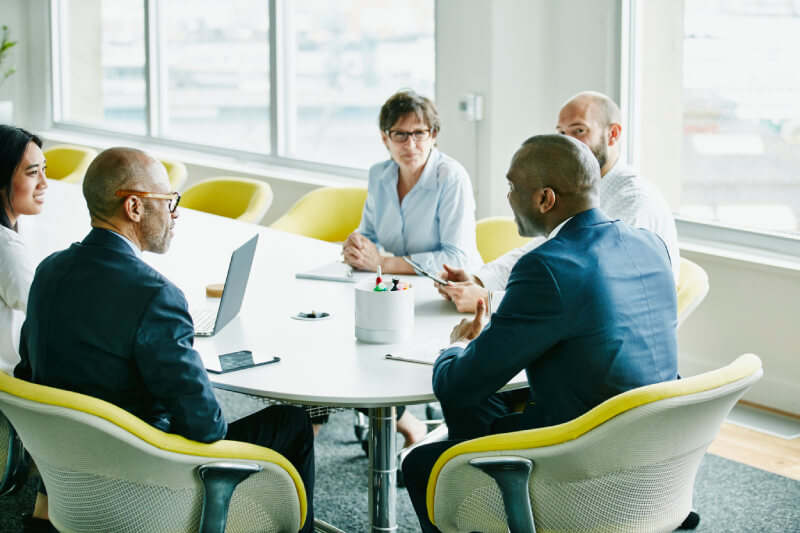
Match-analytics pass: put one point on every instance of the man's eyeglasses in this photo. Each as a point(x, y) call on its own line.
point(173, 197)
point(401, 136)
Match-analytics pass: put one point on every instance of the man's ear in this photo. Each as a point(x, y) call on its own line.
point(545, 200)
point(614, 133)
point(133, 207)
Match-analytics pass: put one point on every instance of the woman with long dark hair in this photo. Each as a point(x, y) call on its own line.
point(22, 188)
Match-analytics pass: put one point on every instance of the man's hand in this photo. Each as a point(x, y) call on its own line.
point(465, 294)
point(469, 329)
point(361, 253)
point(454, 274)
point(464, 290)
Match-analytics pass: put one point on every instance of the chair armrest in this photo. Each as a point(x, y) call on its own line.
point(512, 475)
point(220, 479)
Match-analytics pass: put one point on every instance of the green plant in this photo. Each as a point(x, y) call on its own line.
point(6, 44)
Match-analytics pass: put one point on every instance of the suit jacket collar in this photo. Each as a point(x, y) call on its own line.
point(590, 217)
point(107, 239)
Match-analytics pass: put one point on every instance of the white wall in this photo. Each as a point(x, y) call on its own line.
point(526, 59)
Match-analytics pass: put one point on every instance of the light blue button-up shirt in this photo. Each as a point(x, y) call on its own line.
point(435, 223)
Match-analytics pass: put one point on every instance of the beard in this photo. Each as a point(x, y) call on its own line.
point(156, 232)
point(600, 151)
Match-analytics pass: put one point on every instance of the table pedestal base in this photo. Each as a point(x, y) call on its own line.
point(382, 469)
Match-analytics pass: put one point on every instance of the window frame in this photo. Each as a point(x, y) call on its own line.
point(758, 246)
point(279, 127)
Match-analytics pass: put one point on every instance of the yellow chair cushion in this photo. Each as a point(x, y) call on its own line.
point(229, 196)
point(328, 214)
point(68, 162)
point(497, 235)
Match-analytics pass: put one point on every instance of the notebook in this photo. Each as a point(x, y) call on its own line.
point(210, 321)
point(336, 271)
point(424, 353)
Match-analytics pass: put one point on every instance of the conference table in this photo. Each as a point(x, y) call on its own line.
point(321, 362)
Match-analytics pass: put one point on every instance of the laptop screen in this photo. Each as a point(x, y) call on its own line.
point(235, 283)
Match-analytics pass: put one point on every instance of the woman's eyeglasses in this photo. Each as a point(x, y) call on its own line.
point(402, 136)
point(173, 197)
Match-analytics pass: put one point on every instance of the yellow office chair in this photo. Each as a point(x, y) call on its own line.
point(67, 162)
point(244, 199)
point(692, 288)
point(496, 236)
point(107, 470)
point(176, 172)
point(629, 464)
point(328, 214)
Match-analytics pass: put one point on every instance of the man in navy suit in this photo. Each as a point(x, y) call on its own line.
point(103, 322)
point(587, 315)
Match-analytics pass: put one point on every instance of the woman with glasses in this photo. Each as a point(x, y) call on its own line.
point(419, 205)
point(419, 202)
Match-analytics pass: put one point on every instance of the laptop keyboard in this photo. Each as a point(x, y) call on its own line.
point(204, 319)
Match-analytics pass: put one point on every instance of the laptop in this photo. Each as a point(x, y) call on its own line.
point(210, 321)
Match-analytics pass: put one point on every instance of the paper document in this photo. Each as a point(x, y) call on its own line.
point(425, 353)
point(336, 271)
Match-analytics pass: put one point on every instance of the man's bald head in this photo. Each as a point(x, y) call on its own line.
point(594, 119)
point(551, 178)
point(605, 110)
point(559, 162)
point(120, 168)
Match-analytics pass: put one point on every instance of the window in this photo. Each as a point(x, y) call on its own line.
point(298, 82)
point(740, 157)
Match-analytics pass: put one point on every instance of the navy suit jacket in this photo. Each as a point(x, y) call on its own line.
point(102, 322)
point(588, 314)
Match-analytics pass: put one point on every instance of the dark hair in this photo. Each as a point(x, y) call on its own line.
point(13, 143)
point(407, 101)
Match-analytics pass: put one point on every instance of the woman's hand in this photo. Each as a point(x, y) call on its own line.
point(361, 253)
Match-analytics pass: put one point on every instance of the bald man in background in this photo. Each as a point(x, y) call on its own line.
point(594, 119)
point(102, 322)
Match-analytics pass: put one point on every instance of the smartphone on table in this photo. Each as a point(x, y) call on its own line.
point(240, 360)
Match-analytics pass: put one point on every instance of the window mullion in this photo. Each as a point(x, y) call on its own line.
point(154, 78)
point(275, 96)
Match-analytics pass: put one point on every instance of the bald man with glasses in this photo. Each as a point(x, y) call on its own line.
point(102, 322)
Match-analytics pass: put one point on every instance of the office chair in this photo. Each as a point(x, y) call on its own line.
point(629, 464)
point(67, 162)
point(497, 235)
point(328, 213)
point(244, 199)
point(176, 172)
point(107, 470)
point(692, 288)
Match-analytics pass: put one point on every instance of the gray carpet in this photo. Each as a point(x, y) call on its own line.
point(729, 496)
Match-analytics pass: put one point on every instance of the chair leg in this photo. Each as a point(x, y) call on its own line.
point(512, 475)
point(219, 481)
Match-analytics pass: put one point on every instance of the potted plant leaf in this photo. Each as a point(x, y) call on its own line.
point(6, 44)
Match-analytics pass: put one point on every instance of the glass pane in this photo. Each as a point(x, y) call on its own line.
point(102, 64)
point(344, 59)
point(215, 72)
point(741, 150)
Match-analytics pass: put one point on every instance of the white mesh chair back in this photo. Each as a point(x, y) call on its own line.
point(101, 477)
point(634, 472)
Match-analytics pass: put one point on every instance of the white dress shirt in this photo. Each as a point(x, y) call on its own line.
point(435, 224)
point(624, 195)
point(16, 274)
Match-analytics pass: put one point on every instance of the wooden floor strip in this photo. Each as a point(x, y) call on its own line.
point(751, 447)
